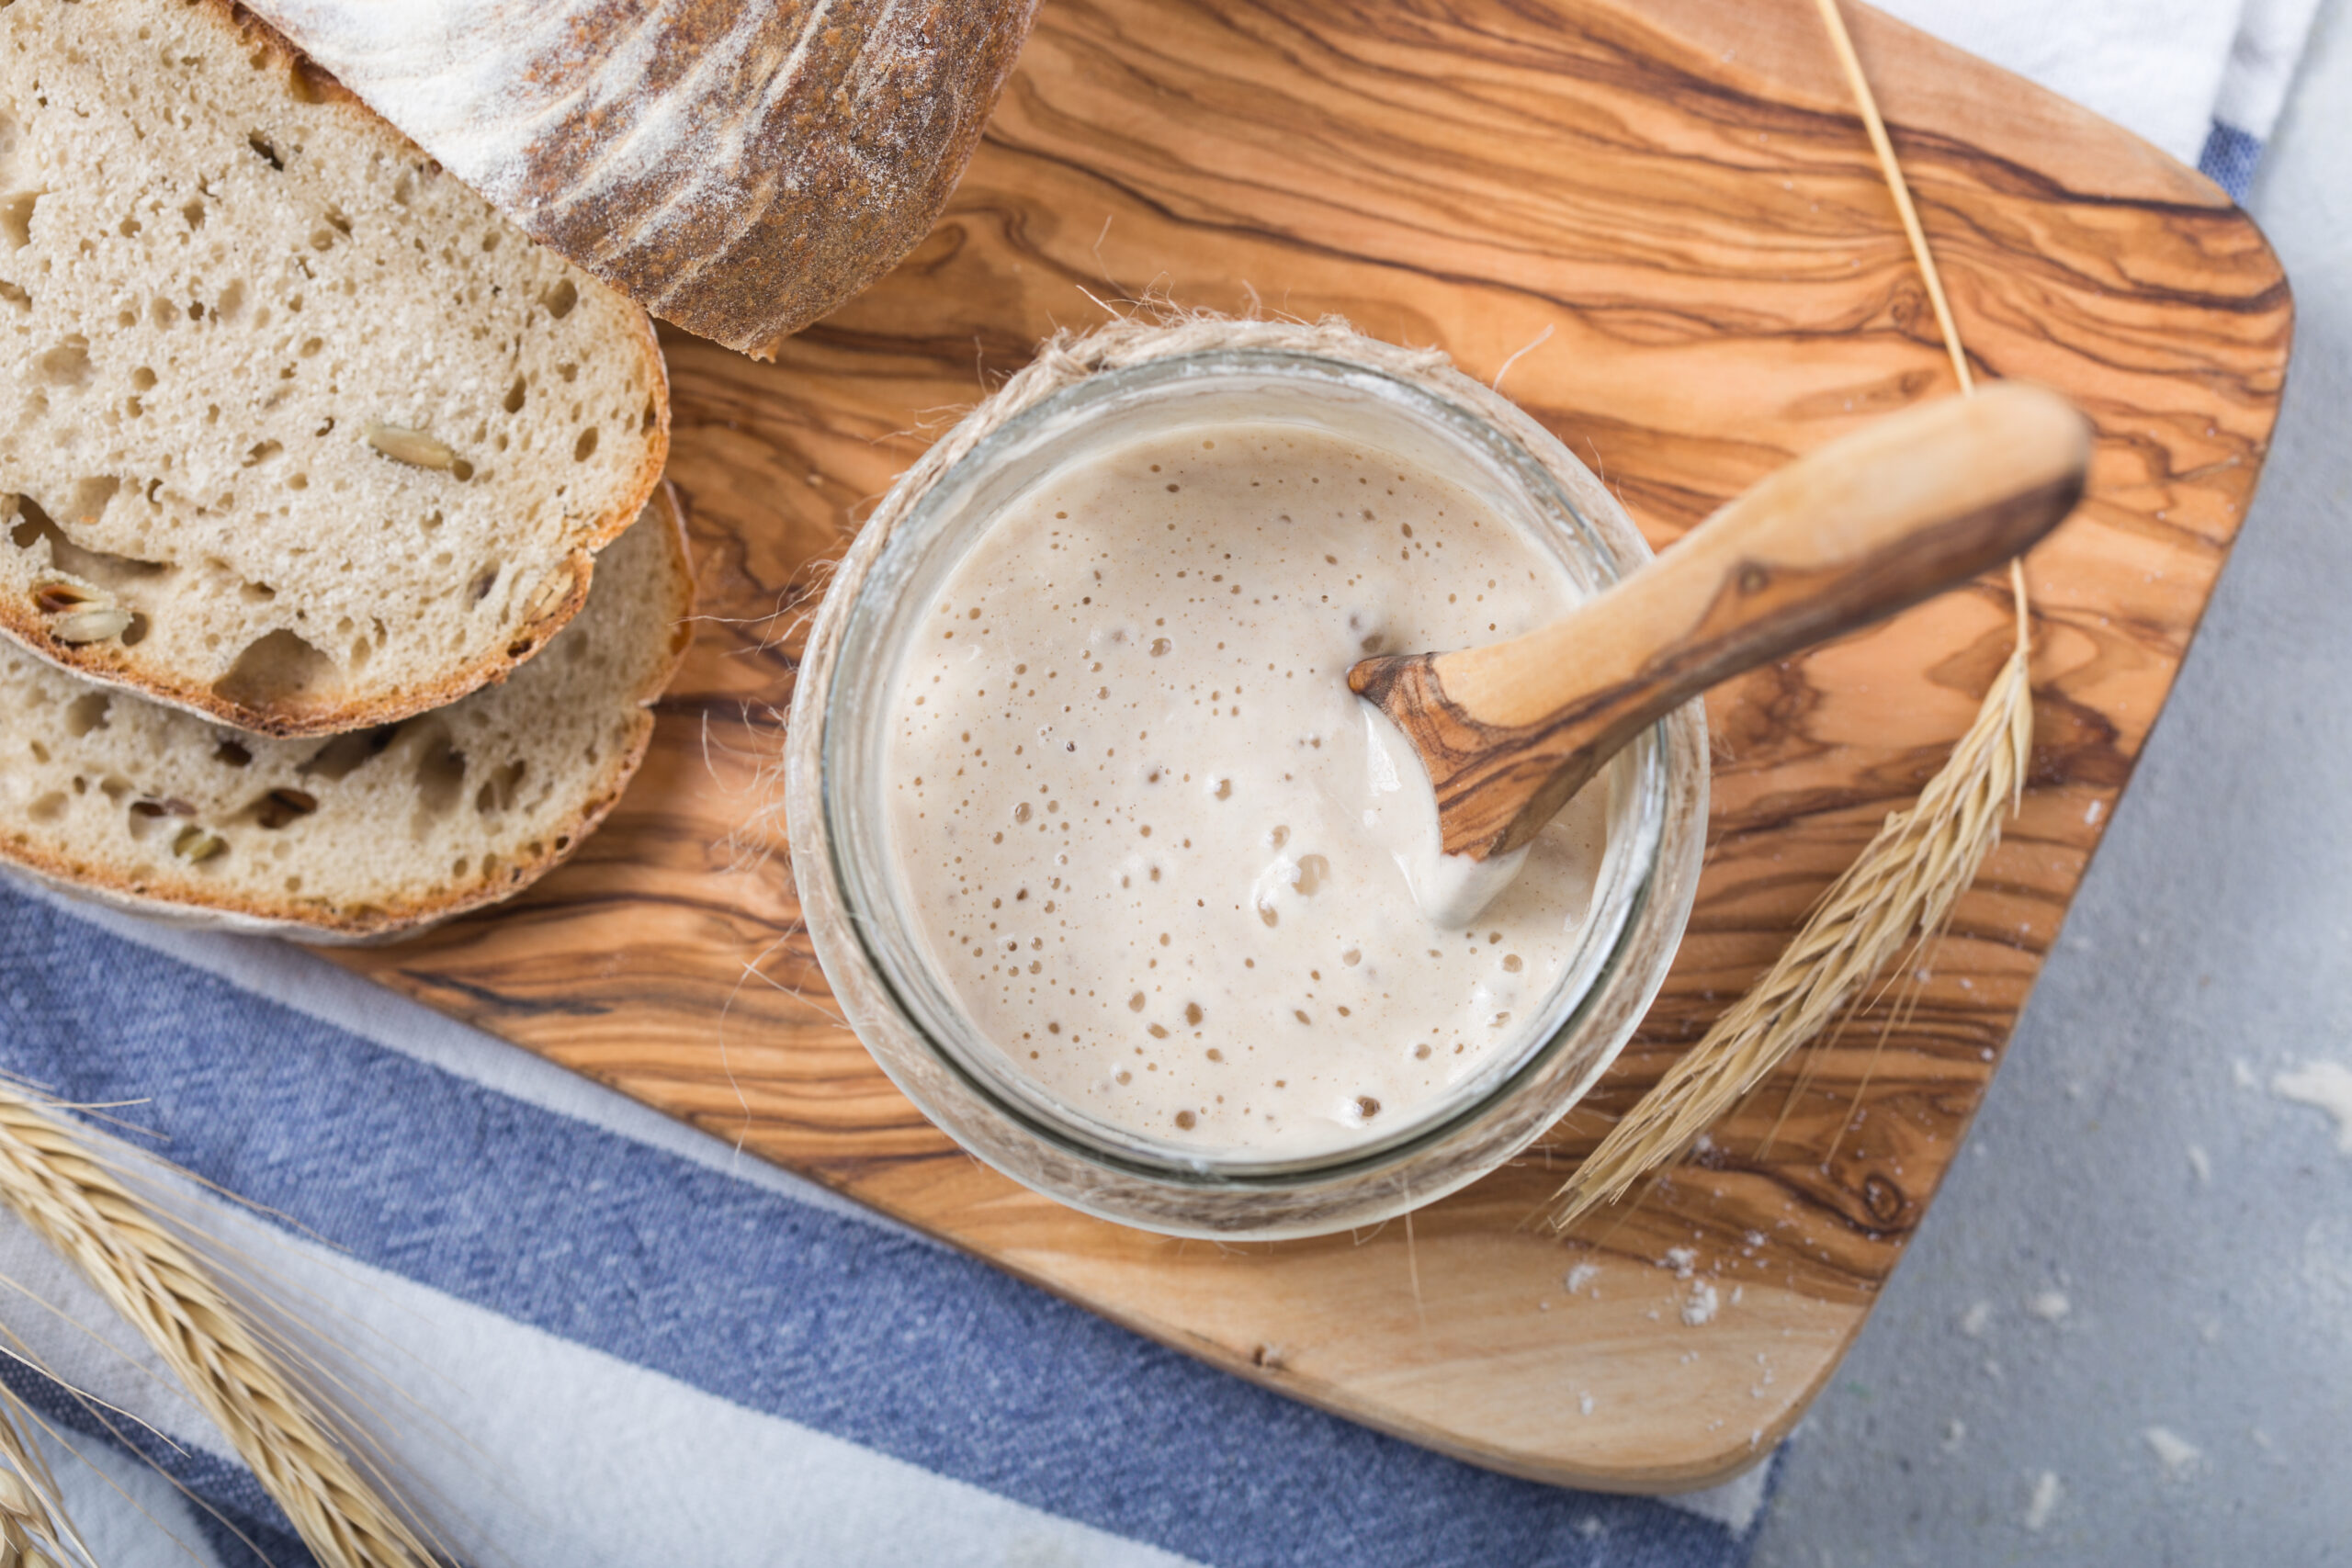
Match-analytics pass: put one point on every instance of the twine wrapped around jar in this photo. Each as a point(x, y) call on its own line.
point(1068, 358)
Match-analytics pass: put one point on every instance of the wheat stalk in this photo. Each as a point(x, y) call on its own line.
point(1901, 888)
point(34, 1529)
point(82, 1210)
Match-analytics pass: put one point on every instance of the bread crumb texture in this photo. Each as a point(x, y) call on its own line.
point(357, 835)
point(295, 428)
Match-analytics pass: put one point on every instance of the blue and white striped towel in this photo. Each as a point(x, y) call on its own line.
point(596, 1336)
point(647, 1348)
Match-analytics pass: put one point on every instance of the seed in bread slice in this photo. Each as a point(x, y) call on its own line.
point(359, 836)
point(295, 429)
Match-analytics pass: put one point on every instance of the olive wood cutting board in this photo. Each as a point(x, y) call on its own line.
point(1658, 221)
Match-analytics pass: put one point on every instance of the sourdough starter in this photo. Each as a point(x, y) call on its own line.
point(1141, 826)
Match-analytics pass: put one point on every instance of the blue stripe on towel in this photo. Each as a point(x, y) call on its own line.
point(845, 1327)
point(2229, 158)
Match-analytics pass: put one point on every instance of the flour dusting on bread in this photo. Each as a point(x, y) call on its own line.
point(739, 169)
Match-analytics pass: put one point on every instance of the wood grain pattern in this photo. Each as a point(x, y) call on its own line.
point(1914, 504)
point(1678, 194)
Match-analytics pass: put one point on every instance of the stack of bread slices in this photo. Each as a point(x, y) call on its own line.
point(336, 580)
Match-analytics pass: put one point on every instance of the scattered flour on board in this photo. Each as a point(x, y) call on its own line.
point(1682, 1259)
point(2050, 1305)
point(2044, 1501)
point(1699, 1307)
point(1584, 1404)
point(2323, 1086)
point(2175, 1452)
point(1581, 1276)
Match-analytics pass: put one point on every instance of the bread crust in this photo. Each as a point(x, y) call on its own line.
point(109, 664)
point(805, 146)
point(409, 916)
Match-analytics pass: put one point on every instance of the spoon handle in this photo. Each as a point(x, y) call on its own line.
point(1917, 503)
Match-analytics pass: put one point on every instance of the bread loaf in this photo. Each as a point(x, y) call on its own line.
point(738, 168)
point(295, 429)
point(359, 836)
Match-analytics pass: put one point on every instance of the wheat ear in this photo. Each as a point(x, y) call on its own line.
point(52, 1180)
point(1904, 887)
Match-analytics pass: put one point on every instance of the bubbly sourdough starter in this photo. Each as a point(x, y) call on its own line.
point(1136, 816)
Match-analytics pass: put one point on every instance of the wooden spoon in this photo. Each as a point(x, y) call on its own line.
point(1917, 503)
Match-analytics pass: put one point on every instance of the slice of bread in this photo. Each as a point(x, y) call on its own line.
point(295, 429)
point(360, 836)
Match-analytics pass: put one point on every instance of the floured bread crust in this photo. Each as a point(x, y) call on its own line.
point(738, 169)
point(296, 429)
point(361, 836)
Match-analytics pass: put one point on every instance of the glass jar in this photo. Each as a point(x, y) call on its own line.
point(1066, 408)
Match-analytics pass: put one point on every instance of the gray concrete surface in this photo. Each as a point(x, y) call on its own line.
point(2134, 1163)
